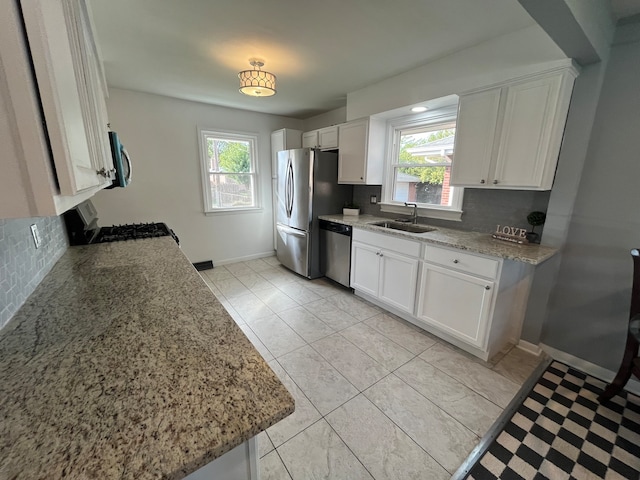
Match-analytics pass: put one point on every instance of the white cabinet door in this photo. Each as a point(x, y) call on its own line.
point(65, 64)
point(526, 130)
point(310, 139)
point(352, 152)
point(328, 138)
point(456, 303)
point(475, 133)
point(283, 139)
point(365, 268)
point(398, 278)
point(510, 137)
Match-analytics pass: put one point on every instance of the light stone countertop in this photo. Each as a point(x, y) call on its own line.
point(448, 237)
point(122, 364)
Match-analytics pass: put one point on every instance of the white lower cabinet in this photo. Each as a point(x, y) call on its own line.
point(455, 302)
point(385, 268)
point(476, 302)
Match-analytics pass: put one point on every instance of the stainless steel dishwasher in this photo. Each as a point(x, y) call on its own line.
point(335, 251)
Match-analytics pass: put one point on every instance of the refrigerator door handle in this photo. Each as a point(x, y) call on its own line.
point(291, 231)
point(290, 189)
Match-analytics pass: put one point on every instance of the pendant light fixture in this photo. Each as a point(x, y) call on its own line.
point(256, 82)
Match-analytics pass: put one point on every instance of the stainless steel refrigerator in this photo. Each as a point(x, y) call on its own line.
point(307, 186)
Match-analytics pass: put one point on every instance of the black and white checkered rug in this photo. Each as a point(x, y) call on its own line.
point(561, 432)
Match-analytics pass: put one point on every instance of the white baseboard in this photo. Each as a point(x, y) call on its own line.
point(589, 368)
point(529, 347)
point(245, 259)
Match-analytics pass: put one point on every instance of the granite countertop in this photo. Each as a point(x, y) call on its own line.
point(449, 237)
point(123, 364)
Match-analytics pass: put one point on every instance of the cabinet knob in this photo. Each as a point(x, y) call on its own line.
point(377, 253)
point(455, 261)
point(482, 181)
point(487, 287)
point(361, 178)
point(381, 255)
point(495, 182)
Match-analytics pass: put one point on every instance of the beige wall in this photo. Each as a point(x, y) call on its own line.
point(161, 134)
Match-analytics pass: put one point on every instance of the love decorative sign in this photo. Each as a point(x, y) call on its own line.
point(510, 234)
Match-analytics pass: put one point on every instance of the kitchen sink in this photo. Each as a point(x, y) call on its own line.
point(405, 227)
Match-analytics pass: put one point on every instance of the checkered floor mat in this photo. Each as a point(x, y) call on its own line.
point(562, 432)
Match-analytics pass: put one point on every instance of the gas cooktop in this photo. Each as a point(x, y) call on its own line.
point(134, 231)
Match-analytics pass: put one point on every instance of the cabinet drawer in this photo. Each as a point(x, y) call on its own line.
point(389, 242)
point(466, 262)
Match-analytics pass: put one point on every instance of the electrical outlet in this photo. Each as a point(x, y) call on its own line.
point(36, 235)
point(373, 199)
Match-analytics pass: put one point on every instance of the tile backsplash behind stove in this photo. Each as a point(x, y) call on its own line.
point(482, 209)
point(22, 266)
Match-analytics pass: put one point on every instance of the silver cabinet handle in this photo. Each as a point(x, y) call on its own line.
point(455, 261)
point(495, 182)
point(482, 181)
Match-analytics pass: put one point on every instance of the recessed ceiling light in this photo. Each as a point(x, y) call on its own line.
point(419, 109)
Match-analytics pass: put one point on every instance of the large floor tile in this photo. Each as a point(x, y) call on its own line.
point(238, 268)
point(324, 287)
point(272, 468)
point(231, 287)
point(318, 453)
point(304, 415)
point(321, 383)
point(272, 261)
point(218, 273)
point(264, 351)
point(258, 265)
point(265, 445)
point(250, 307)
point(275, 299)
point(386, 352)
point(330, 314)
point(382, 447)
point(437, 432)
point(276, 335)
point(299, 292)
point(254, 281)
point(401, 332)
point(468, 407)
point(306, 324)
point(353, 305)
point(517, 365)
point(484, 381)
point(279, 276)
point(356, 366)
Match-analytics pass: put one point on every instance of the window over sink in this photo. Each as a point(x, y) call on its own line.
point(419, 167)
point(229, 173)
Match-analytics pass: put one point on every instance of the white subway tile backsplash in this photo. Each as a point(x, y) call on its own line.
point(22, 266)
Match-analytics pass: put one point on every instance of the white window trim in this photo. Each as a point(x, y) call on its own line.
point(454, 213)
point(252, 138)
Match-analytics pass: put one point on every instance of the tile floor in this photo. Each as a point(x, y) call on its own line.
point(375, 396)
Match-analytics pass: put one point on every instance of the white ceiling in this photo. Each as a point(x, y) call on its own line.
point(319, 50)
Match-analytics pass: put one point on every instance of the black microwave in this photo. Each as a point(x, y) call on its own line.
point(121, 162)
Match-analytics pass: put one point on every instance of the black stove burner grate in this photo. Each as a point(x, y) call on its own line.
point(133, 231)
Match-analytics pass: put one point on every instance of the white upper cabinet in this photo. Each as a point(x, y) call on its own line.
point(283, 139)
point(510, 136)
point(361, 152)
point(62, 109)
point(324, 138)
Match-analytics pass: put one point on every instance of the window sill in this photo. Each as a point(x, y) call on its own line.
point(439, 213)
point(231, 211)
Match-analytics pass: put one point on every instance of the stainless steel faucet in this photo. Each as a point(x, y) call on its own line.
point(415, 210)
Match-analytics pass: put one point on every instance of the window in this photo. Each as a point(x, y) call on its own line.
point(420, 167)
point(229, 173)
